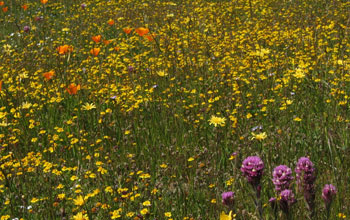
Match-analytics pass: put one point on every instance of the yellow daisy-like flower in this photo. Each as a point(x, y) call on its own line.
point(88, 106)
point(34, 200)
point(230, 216)
point(81, 216)
point(144, 211)
point(217, 121)
point(146, 203)
point(162, 73)
point(79, 201)
point(261, 136)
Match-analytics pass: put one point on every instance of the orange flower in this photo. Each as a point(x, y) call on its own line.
point(49, 75)
point(96, 38)
point(116, 48)
point(150, 37)
point(142, 31)
point(25, 7)
point(73, 89)
point(5, 9)
point(2, 3)
point(127, 30)
point(106, 42)
point(0, 85)
point(64, 49)
point(110, 22)
point(95, 51)
point(44, 1)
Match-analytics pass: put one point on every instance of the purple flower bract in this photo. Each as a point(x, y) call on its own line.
point(252, 169)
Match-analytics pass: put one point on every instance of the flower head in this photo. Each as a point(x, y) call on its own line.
point(328, 193)
point(306, 177)
point(282, 177)
point(228, 198)
point(261, 136)
point(305, 173)
point(252, 168)
point(81, 216)
point(217, 121)
point(95, 51)
point(73, 89)
point(88, 106)
point(26, 28)
point(287, 199)
point(141, 31)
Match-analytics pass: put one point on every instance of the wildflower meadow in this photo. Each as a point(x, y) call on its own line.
point(174, 109)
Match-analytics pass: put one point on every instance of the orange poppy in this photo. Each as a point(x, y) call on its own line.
point(5, 9)
point(2, 3)
point(110, 22)
point(64, 49)
point(141, 31)
point(95, 51)
point(116, 48)
point(0, 85)
point(25, 7)
point(44, 1)
point(127, 30)
point(150, 37)
point(96, 38)
point(106, 42)
point(49, 75)
point(73, 89)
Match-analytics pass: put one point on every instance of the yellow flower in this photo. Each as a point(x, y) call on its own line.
point(162, 73)
point(217, 121)
point(163, 166)
point(81, 216)
point(34, 200)
point(230, 216)
point(88, 106)
point(26, 105)
point(5, 217)
point(116, 214)
point(297, 119)
point(260, 136)
point(61, 196)
point(299, 73)
point(146, 203)
point(144, 211)
point(167, 214)
point(130, 214)
point(79, 201)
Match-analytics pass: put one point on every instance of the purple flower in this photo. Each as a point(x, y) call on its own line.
point(328, 193)
point(228, 198)
point(272, 199)
point(26, 29)
point(282, 177)
point(252, 168)
point(83, 6)
point(306, 177)
point(305, 173)
point(131, 68)
point(287, 200)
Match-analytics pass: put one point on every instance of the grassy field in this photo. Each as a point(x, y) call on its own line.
point(146, 109)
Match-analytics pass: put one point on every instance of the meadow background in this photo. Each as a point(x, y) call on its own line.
point(145, 109)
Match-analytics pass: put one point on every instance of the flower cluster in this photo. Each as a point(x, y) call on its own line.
point(282, 177)
point(305, 173)
point(328, 193)
point(252, 169)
